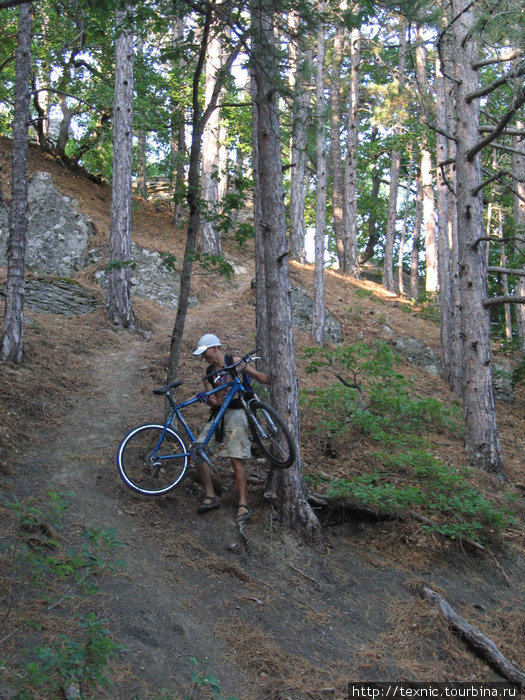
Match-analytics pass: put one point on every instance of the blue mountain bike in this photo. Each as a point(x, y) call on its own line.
point(153, 459)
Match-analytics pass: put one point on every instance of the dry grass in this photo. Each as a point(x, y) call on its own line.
point(275, 673)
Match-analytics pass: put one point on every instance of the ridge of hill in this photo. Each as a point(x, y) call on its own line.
point(193, 600)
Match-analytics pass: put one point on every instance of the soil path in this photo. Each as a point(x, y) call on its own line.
point(269, 617)
point(191, 586)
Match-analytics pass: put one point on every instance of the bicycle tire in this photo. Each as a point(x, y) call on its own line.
point(271, 434)
point(137, 468)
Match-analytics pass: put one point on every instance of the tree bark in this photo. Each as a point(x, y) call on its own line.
point(429, 217)
point(13, 331)
point(119, 308)
point(416, 238)
point(288, 490)
point(336, 163)
point(318, 316)
point(350, 257)
point(388, 264)
point(209, 237)
point(299, 84)
point(482, 444)
point(518, 169)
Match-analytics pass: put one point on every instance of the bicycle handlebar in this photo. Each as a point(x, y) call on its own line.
point(245, 358)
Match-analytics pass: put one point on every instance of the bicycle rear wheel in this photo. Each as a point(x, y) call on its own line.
point(271, 434)
point(150, 466)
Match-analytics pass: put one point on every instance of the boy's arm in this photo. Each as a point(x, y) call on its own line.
point(262, 377)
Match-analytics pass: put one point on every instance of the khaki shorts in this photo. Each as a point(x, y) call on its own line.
point(236, 434)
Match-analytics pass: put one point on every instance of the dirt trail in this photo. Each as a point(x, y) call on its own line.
point(271, 618)
point(191, 588)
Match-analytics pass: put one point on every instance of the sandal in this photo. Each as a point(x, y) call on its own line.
point(241, 517)
point(208, 503)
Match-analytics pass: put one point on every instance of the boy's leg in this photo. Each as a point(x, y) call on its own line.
point(240, 479)
point(204, 474)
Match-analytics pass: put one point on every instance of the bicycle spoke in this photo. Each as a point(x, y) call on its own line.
point(150, 468)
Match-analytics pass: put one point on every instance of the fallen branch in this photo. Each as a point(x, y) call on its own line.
point(481, 644)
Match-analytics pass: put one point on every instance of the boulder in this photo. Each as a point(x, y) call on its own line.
point(302, 312)
point(57, 234)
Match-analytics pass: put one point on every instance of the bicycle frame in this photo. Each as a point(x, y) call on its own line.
point(235, 387)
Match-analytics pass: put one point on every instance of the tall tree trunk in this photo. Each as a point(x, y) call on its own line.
point(444, 264)
point(261, 304)
point(518, 169)
point(429, 216)
point(402, 237)
point(199, 119)
point(288, 488)
point(456, 335)
point(505, 279)
point(350, 258)
point(482, 444)
point(209, 237)
point(299, 81)
point(318, 317)
point(178, 135)
point(336, 163)
point(416, 241)
point(13, 332)
point(119, 309)
point(373, 233)
point(388, 265)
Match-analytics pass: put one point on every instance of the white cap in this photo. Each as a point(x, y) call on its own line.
point(207, 341)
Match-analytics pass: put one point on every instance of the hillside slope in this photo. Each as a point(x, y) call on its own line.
point(265, 614)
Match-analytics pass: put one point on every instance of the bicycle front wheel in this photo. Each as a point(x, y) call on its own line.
point(149, 465)
point(271, 434)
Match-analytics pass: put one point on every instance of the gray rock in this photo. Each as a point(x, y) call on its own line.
point(302, 311)
point(150, 279)
point(417, 353)
point(57, 297)
point(502, 381)
point(57, 234)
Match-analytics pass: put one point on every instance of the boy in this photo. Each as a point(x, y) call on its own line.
point(236, 431)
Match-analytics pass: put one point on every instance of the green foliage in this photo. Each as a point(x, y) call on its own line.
point(121, 264)
point(70, 662)
point(376, 401)
point(428, 303)
point(417, 480)
point(204, 680)
point(518, 376)
point(40, 566)
point(208, 262)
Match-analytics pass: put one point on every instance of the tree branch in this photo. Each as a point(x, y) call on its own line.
point(496, 176)
point(508, 239)
point(481, 644)
point(498, 301)
point(499, 128)
point(506, 271)
point(493, 61)
point(508, 132)
point(516, 72)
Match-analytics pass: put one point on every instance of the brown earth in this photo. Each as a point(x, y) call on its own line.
point(266, 614)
